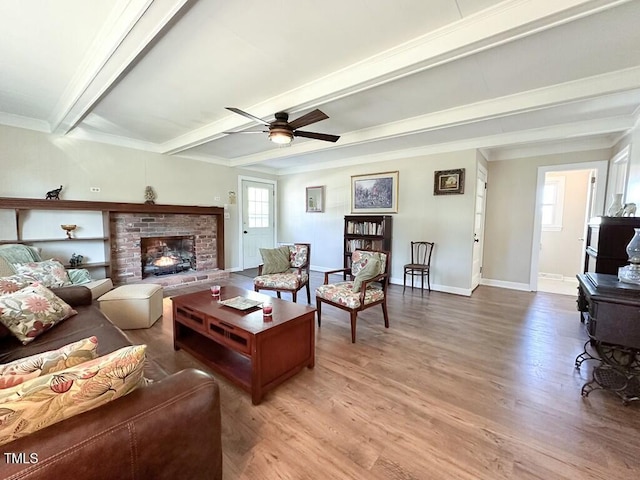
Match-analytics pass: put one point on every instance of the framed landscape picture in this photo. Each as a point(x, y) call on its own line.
point(374, 193)
point(448, 182)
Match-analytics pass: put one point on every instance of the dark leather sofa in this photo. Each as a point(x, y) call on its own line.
point(169, 429)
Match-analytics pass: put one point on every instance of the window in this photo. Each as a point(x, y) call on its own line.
point(258, 207)
point(552, 203)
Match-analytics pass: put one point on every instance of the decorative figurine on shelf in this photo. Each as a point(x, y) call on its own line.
point(629, 210)
point(149, 196)
point(76, 260)
point(54, 194)
point(69, 229)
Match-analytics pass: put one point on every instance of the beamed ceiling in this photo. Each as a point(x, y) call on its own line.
point(396, 78)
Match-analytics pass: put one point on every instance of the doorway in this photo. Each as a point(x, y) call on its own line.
point(567, 197)
point(257, 223)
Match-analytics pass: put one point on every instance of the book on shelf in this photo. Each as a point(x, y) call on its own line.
point(364, 228)
point(360, 244)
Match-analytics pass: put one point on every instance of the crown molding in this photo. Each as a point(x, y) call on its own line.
point(115, 140)
point(11, 120)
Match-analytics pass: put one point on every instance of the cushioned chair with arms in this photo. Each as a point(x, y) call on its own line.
point(292, 275)
point(420, 264)
point(370, 278)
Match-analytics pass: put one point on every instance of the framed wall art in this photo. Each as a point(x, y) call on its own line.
point(448, 182)
point(315, 199)
point(374, 193)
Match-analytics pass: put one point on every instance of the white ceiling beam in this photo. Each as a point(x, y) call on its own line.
point(502, 23)
point(571, 132)
point(539, 99)
point(132, 28)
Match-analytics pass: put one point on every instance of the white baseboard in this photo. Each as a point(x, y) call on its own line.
point(233, 269)
point(550, 276)
point(502, 284)
point(437, 288)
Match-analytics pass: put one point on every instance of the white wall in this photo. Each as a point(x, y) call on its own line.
point(511, 197)
point(446, 220)
point(33, 163)
point(561, 252)
point(633, 180)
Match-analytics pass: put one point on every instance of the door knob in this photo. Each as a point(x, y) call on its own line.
point(244, 231)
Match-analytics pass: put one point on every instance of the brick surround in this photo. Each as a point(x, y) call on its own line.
point(128, 228)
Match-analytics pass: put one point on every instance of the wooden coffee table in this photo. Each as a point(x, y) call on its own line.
point(255, 353)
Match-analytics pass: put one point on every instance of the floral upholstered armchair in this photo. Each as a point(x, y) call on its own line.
point(285, 269)
point(370, 278)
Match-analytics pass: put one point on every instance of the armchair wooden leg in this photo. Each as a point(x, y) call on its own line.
point(308, 294)
point(354, 317)
point(318, 309)
point(278, 295)
point(384, 313)
point(294, 296)
point(255, 287)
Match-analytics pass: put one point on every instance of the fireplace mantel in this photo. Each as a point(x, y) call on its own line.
point(111, 210)
point(40, 204)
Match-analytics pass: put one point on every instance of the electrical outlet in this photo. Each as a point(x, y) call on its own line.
point(227, 216)
point(217, 199)
point(94, 189)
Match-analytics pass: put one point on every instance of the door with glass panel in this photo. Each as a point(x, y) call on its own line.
point(258, 223)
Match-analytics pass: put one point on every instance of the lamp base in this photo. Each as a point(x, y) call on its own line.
point(629, 274)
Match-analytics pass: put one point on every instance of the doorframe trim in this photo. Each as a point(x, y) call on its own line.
point(240, 197)
point(601, 167)
point(484, 169)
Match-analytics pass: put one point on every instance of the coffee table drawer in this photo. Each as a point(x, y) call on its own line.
point(191, 318)
point(234, 337)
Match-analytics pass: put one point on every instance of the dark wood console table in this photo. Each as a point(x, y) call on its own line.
point(610, 310)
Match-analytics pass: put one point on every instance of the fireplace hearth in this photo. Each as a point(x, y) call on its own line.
point(167, 255)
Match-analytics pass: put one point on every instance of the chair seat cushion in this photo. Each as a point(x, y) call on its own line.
point(343, 294)
point(284, 281)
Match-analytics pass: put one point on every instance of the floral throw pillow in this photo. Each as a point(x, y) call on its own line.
point(14, 283)
point(51, 273)
point(31, 311)
point(24, 369)
point(45, 400)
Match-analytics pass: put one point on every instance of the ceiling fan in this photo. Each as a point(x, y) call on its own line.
point(282, 131)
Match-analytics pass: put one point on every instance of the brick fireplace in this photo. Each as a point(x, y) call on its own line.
point(128, 230)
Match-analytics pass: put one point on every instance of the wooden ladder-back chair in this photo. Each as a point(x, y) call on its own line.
point(420, 264)
point(372, 280)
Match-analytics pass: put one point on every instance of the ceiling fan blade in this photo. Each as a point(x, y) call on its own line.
point(318, 136)
point(311, 117)
point(248, 115)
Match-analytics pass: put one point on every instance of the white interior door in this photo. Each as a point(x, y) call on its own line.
point(478, 227)
point(258, 222)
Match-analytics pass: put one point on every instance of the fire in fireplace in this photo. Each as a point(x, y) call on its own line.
point(167, 255)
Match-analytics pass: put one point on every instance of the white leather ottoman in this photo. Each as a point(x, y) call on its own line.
point(133, 306)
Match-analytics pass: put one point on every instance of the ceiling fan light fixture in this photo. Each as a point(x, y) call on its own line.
point(281, 136)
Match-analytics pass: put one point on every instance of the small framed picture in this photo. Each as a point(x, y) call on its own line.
point(315, 199)
point(448, 182)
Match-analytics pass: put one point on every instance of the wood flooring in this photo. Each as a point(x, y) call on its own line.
point(457, 388)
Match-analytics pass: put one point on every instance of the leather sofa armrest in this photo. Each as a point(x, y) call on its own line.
point(75, 296)
point(167, 430)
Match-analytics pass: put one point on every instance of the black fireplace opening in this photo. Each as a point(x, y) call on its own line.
point(167, 255)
